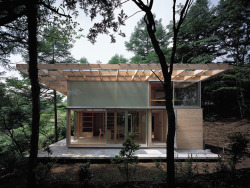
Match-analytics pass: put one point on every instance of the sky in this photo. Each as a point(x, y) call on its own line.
point(103, 50)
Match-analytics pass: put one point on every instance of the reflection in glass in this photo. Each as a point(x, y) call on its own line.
point(137, 124)
point(89, 127)
point(115, 127)
point(186, 94)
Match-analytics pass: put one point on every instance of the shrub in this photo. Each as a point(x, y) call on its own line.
point(211, 117)
point(84, 174)
point(126, 160)
point(238, 147)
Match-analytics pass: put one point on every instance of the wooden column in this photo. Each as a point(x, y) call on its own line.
point(162, 125)
point(140, 125)
point(115, 127)
point(149, 95)
point(149, 137)
point(78, 124)
point(69, 127)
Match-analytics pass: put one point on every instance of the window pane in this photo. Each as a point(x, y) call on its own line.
point(186, 94)
point(137, 124)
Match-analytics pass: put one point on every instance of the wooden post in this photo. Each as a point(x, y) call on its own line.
point(162, 125)
point(69, 127)
point(78, 123)
point(149, 95)
point(115, 127)
point(149, 137)
point(140, 125)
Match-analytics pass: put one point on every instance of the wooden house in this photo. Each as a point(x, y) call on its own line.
point(105, 101)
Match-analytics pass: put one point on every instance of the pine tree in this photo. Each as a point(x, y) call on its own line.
point(141, 45)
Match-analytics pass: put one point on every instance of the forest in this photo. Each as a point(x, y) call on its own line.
point(33, 116)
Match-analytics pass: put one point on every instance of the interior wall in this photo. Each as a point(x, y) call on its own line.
point(165, 126)
point(98, 123)
point(158, 126)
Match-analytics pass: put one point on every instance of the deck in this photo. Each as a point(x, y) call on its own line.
point(60, 151)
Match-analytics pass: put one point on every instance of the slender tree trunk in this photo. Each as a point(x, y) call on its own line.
point(167, 72)
point(35, 89)
point(55, 112)
point(55, 99)
point(171, 134)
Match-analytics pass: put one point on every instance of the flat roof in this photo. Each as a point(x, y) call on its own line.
point(56, 76)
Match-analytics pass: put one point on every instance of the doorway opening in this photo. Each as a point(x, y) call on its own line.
point(159, 127)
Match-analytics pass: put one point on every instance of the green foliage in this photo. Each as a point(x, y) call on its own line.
point(211, 117)
point(196, 41)
point(238, 147)
point(117, 59)
point(185, 174)
point(140, 43)
point(161, 175)
point(84, 174)
point(232, 21)
point(42, 170)
point(83, 60)
point(127, 160)
point(228, 94)
point(15, 120)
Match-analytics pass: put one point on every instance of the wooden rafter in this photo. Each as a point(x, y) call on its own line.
point(57, 75)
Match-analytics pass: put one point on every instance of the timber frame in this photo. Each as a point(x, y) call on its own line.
point(106, 101)
point(56, 75)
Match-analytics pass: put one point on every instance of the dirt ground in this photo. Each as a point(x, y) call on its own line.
point(104, 175)
point(215, 135)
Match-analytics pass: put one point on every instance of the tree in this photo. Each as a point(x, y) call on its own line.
point(140, 43)
point(233, 29)
point(167, 70)
point(197, 40)
point(18, 9)
point(13, 32)
point(15, 115)
point(117, 59)
point(54, 48)
point(84, 60)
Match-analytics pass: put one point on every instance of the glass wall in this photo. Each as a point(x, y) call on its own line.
point(137, 124)
point(100, 127)
point(187, 94)
point(157, 94)
point(88, 127)
point(116, 129)
point(121, 121)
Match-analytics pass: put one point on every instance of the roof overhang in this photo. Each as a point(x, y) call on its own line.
point(56, 76)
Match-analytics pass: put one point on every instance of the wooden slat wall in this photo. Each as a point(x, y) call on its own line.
point(189, 129)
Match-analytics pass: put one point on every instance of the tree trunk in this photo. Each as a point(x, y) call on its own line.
point(171, 134)
point(35, 89)
point(55, 112)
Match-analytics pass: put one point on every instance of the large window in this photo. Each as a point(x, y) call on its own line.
point(137, 124)
point(100, 127)
point(157, 94)
point(115, 126)
point(88, 127)
point(186, 93)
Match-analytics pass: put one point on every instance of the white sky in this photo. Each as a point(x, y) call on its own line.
point(103, 50)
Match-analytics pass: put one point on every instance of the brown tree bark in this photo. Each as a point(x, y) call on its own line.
point(35, 89)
